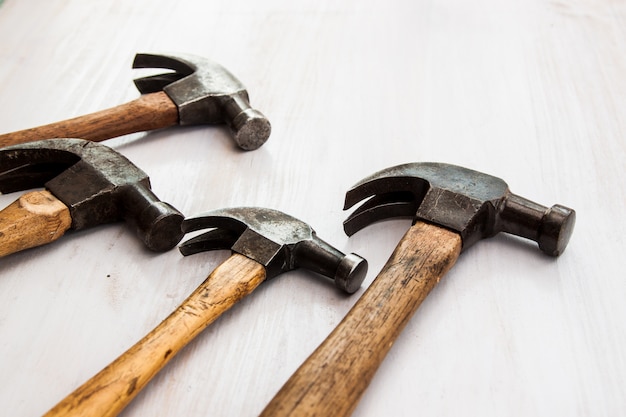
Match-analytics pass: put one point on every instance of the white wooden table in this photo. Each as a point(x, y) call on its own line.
point(532, 91)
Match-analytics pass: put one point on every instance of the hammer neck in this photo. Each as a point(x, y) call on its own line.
point(521, 217)
point(550, 227)
point(157, 223)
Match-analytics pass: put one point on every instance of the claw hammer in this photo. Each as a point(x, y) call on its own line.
point(86, 184)
point(198, 91)
point(452, 207)
point(265, 243)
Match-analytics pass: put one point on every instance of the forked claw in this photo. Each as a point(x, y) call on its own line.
point(218, 219)
point(28, 176)
point(25, 166)
point(387, 194)
point(176, 63)
point(225, 232)
point(381, 207)
point(215, 239)
point(154, 83)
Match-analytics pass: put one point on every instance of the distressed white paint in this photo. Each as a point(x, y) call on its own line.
point(531, 91)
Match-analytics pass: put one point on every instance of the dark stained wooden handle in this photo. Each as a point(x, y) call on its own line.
point(331, 381)
point(148, 112)
point(108, 392)
point(34, 219)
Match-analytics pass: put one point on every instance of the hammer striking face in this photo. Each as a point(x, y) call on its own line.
point(452, 208)
point(87, 184)
point(264, 243)
point(196, 91)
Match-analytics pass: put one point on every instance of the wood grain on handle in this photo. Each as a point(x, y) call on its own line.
point(108, 392)
point(34, 219)
point(331, 381)
point(148, 112)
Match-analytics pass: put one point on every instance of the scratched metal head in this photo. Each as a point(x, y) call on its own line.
point(276, 240)
point(471, 203)
point(205, 93)
point(97, 184)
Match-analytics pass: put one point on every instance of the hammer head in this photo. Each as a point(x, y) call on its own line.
point(205, 93)
point(97, 184)
point(277, 241)
point(471, 203)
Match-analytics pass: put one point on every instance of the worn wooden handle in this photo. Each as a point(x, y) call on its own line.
point(34, 219)
point(331, 381)
point(148, 112)
point(108, 392)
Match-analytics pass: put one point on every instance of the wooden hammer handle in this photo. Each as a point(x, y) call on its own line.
point(108, 392)
point(331, 381)
point(34, 219)
point(148, 112)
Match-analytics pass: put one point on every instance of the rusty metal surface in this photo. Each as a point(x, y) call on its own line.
point(96, 183)
point(205, 93)
point(276, 240)
point(471, 203)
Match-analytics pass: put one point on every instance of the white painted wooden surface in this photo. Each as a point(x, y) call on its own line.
point(532, 91)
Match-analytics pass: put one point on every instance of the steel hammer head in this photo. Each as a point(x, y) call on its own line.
point(471, 203)
point(276, 240)
point(205, 93)
point(97, 184)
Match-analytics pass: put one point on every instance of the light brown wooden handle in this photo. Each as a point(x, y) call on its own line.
point(331, 381)
point(34, 219)
point(108, 392)
point(148, 112)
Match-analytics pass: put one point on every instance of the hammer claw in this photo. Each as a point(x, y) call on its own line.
point(215, 239)
point(176, 63)
point(213, 219)
point(380, 207)
point(27, 166)
point(154, 83)
point(28, 176)
point(403, 187)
